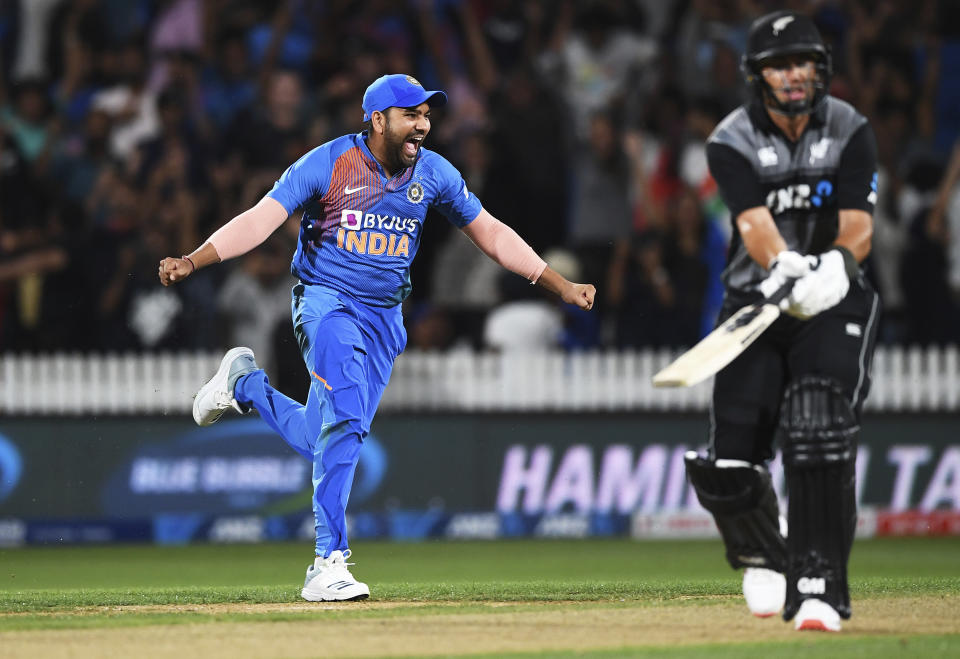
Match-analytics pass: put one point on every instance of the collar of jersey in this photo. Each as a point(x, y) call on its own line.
point(361, 140)
point(762, 120)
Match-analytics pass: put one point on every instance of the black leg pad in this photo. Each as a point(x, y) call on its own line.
point(741, 498)
point(819, 454)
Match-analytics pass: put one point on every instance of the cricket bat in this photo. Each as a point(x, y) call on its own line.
point(723, 344)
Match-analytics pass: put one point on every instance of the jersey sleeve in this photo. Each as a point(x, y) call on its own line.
point(306, 179)
point(857, 174)
point(454, 200)
point(739, 186)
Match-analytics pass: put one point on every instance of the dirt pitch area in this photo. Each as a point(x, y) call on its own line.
point(445, 629)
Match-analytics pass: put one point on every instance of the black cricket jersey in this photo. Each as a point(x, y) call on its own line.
point(804, 183)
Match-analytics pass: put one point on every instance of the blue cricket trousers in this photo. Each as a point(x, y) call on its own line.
point(349, 349)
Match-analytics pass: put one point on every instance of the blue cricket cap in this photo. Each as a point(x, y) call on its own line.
point(398, 90)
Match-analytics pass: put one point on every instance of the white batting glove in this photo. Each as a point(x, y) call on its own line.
point(823, 287)
point(785, 266)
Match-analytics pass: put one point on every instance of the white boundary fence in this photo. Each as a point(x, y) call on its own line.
point(904, 380)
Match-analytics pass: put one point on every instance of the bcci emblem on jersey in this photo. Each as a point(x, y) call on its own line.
point(415, 193)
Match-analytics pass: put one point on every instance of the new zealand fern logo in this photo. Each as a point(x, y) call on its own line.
point(781, 24)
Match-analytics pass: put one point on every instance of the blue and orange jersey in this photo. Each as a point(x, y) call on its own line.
point(360, 229)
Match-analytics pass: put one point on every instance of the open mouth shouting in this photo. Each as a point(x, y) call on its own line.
point(412, 145)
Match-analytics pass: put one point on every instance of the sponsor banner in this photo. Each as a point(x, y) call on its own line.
point(870, 523)
point(651, 479)
point(457, 476)
point(421, 525)
point(943, 522)
point(238, 466)
point(13, 532)
point(70, 531)
point(124, 469)
point(473, 526)
point(674, 526)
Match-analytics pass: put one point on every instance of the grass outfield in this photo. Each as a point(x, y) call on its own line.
point(520, 598)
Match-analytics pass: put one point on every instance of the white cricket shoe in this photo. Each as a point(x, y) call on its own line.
point(765, 591)
point(329, 580)
point(216, 396)
point(817, 615)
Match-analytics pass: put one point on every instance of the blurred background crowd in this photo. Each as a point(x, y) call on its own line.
point(131, 129)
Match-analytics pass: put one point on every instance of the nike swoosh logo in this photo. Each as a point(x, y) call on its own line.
point(348, 190)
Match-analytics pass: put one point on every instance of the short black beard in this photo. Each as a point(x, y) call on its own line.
point(790, 108)
point(394, 152)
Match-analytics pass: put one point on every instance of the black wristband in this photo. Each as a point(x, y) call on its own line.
point(849, 261)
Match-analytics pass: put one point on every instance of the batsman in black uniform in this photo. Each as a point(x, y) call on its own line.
point(797, 168)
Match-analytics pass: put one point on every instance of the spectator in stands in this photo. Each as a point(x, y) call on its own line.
point(529, 167)
point(600, 214)
point(890, 220)
point(253, 298)
point(29, 255)
point(34, 254)
point(78, 160)
point(526, 77)
point(527, 321)
point(227, 83)
point(685, 260)
point(465, 283)
point(131, 104)
point(640, 292)
point(932, 307)
point(429, 327)
point(177, 29)
point(141, 316)
point(29, 119)
point(596, 62)
point(268, 136)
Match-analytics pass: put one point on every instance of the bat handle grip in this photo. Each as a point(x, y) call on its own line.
point(781, 293)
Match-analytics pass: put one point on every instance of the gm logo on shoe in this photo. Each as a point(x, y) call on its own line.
point(812, 585)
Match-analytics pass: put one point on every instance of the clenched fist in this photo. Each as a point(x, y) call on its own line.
point(579, 294)
point(173, 270)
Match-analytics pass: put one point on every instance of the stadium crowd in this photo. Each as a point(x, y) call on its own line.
point(131, 129)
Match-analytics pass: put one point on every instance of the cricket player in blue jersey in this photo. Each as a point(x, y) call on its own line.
point(364, 199)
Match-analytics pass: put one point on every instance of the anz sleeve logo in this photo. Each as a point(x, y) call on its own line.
point(800, 196)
